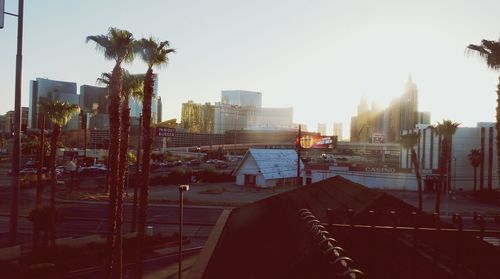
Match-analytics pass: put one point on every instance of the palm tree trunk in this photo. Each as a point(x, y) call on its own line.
point(475, 178)
point(41, 154)
point(147, 142)
point(448, 165)
point(442, 171)
point(125, 130)
point(56, 131)
point(419, 177)
point(53, 154)
point(497, 126)
point(114, 145)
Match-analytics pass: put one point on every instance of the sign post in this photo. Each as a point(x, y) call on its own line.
point(2, 11)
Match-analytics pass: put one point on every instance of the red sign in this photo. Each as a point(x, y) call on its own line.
point(318, 142)
point(166, 132)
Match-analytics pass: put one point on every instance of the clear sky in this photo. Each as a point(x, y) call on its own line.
point(317, 56)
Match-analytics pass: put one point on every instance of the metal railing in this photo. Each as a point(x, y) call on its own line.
point(443, 246)
point(329, 247)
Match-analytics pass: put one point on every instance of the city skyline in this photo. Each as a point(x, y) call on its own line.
point(318, 57)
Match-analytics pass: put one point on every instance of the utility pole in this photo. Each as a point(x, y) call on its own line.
point(299, 147)
point(16, 149)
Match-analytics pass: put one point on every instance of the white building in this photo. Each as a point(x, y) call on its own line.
point(268, 168)
point(482, 137)
point(322, 129)
point(337, 130)
point(241, 98)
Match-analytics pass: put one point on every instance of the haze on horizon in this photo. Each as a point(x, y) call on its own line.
point(319, 57)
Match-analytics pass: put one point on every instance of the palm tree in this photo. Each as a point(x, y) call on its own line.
point(475, 158)
point(408, 141)
point(490, 52)
point(117, 45)
point(445, 130)
point(132, 86)
point(154, 54)
point(59, 113)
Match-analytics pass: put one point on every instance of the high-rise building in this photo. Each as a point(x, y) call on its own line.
point(7, 121)
point(424, 117)
point(337, 130)
point(197, 118)
point(43, 90)
point(408, 104)
point(387, 125)
point(241, 111)
point(94, 102)
point(241, 98)
point(322, 129)
point(94, 99)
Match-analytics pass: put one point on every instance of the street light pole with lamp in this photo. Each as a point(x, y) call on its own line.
point(182, 189)
point(16, 148)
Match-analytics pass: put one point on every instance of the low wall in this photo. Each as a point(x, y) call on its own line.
point(396, 181)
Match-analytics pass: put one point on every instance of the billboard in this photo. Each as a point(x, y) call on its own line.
point(377, 138)
point(2, 12)
point(318, 142)
point(165, 132)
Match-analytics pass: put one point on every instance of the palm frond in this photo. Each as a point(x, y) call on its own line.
point(132, 86)
point(447, 128)
point(105, 79)
point(59, 112)
point(487, 50)
point(409, 140)
point(154, 53)
point(118, 45)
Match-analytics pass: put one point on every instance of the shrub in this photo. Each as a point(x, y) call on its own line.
point(213, 176)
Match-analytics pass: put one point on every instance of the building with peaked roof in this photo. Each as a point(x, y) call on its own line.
point(268, 168)
point(271, 239)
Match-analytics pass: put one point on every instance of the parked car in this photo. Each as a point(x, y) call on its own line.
point(221, 165)
point(92, 170)
point(194, 162)
point(29, 171)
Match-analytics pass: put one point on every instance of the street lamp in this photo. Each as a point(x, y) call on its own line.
point(182, 189)
point(16, 146)
point(198, 149)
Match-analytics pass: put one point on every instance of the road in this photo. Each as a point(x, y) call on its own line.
point(86, 218)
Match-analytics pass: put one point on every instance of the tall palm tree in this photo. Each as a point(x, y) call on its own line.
point(154, 54)
point(490, 52)
point(475, 158)
point(408, 141)
point(59, 113)
point(117, 45)
point(445, 130)
point(132, 86)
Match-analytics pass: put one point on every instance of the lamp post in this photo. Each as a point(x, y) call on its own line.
point(16, 148)
point(198, 149)
point(182, 189)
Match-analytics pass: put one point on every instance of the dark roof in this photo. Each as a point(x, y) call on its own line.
point(268, 239)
